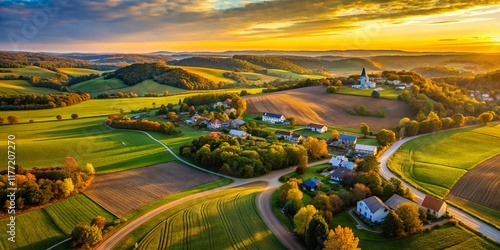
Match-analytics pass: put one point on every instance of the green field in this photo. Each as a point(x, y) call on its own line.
point(73, 210)
point(290, 75)
point(388, 92)
point(104, 107)
point(79, 71)
point(22, 87)
point(209, 73)
point(228, 219)
point(88, 141)
point(257, 76)
point(29, 71)
point(99, 85)
point(445, 237)
point(34, 231)
point(423, 161)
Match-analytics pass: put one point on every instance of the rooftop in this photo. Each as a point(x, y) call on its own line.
point(374, 203)
point(432, 203)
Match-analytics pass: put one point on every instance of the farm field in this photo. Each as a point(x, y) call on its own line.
point(209, 73)
point(79, 71)
point(29, 71)
point(227, 220)
point(387, 93)
point(69, 212)
point(423, 161)
point(445, 237)
point(104, 107)
point(22, 87)
point(126, 191)
point(145, 87)
point(313, 104)
point(291, 75)
point(88, 141)
point(34, 231)
point(257, 76)
point(99, 84)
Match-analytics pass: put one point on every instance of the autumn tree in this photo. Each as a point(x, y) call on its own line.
point(410, 216)
point(369, 163)
point(292, 183)
point(293, 200)
point(302, 219)
point(74, 116)
point(375, 94)
point(316, 148)
point(292, 121)
point(360, 191)
point(392, 225)
point(89, 168)
point(191, 110)
point(484, 117)
point(67, 187)
point(12, 119)
point(1, 120)
point(365, 130)
point(100, 222)
point(341, 239)
point(404, 121)
point(386, 137)
point(59, 117)
point(302, 165)
point(85, 236)
point(459, 120)
point(335, 134)
point(316, 233)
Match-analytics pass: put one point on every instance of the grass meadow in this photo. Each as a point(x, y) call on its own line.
point(291, 75)
point(99, 84)
point(227, 219)
point(209, 73)
point(437, 161)
point(34, 230)
point(88, 141)
point(388, 92)
point(79, 71)
point(22, 87)
point(29, 71)
point(73, 210)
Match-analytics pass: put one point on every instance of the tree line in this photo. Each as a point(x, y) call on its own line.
point(225, 63)
point(21, 59)
point(273, 62)
point(39, 186)
point(124, 122)
point(41, 101)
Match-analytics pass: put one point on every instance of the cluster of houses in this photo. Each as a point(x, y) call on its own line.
point(375, 210)
point(482, 97)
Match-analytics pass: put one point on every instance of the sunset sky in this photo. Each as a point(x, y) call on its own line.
point(218, 25)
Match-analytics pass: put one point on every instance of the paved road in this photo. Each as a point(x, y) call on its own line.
point(263, 204)
point(467, 219)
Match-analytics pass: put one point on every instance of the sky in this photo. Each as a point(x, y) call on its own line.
point(131, 26)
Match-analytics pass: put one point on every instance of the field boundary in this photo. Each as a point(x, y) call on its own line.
point(54, 221)
point(100, 205)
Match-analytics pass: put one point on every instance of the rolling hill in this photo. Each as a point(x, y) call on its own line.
point(224, 63)
point(21, 87)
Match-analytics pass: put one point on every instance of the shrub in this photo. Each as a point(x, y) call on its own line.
point(74, 116)
point(59, 117)
point(32, 121)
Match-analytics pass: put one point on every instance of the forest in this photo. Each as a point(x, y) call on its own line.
point(47, 101)
point(20, 59)
point(273, 62)
point(225, 63)
point(124, 122)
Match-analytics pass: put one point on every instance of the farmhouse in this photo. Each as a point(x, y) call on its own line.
point(347, 139)
point(285, 134)
point(312, 184)
point(372, 209)
point(337, 160)
point(348, 165)
point(365, 149)
point(237, 123)
point(214, 124)
point(340, 173)
point(273, 118)
point(434, 206)
point(317, 128)
point(396, 200)
point(296, 138)
point(238, 133)
point(226, 124)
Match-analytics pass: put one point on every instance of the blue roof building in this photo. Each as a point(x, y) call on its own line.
point(311, 184)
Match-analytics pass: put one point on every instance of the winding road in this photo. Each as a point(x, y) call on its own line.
point(264, 199)
point(467, 219)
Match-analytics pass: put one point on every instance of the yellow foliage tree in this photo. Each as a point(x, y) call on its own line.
point(302, 218)
point(341, 239)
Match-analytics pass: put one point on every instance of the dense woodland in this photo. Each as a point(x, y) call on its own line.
point(21, 59)
point(163, 74)
point(273, 62)
point(39, 186)
point(48, 101)
point(225, 63)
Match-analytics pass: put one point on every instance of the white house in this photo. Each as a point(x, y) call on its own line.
point(214, 124)
point(340, 173)
point(365, 82)
point(238, 133)
point(365, 149)
point(285, 134)
point(434, 206)
point(317, 128)
point(273, 118)
point(372, 209)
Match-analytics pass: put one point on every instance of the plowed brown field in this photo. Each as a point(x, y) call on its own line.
point(313, 104)
point(124, 192)
point(481, 184)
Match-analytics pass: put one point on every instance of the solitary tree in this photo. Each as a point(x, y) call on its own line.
point(292, 120)
point(59, 117)
point(386, 137)
point(90, 169)
point(166, 93)
point(486, 117)
point(302, 218)
point(86, 236)
point(12, 119)
point(154, 105)
point(1, 120)
point(410, 216)
point(99, 221)
point(341, 239)
point(302, 165)
point(335, 134)
point(375, 94)
point(74, 116)
point(365, 130)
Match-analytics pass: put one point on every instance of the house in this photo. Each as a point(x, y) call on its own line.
point(347, 164)
point(340, 173)
point(393, 82)
point(317, 128)
point(238, 133)
point(195, 117)
point(335, 161)
point(273, 118)
point(372, 209)
point(285, 134)
point(347, 139)
point(312, 184)
point(295, 138)
point(214, 124)
point(214, 133)
point(226, 124)
point(379, 79)
point(237, 123)
point(365, 82)
point(434, 206)
point(227, 102)
point(397, 200)
point(365, 149)
point(217, 104)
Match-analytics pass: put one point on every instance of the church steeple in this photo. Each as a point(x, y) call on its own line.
point(363, 73)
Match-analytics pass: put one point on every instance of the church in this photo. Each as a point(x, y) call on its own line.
point(364, 81)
